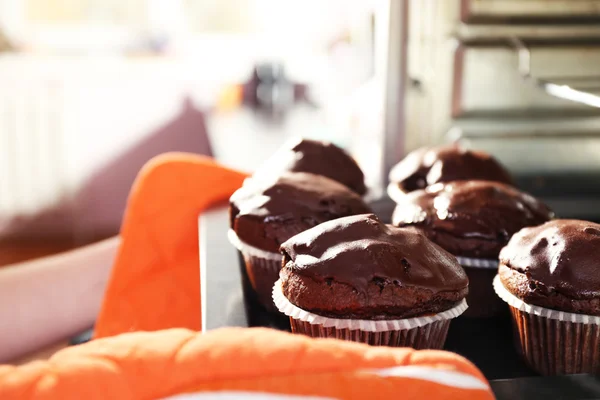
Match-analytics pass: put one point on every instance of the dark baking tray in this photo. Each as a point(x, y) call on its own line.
point(488, 343)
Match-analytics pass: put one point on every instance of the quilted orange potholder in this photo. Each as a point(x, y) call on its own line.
point(155, 282)
point(237, 363)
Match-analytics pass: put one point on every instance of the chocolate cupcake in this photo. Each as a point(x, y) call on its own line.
point(473, 220)
point(315, 157)
point(428, 166)
point(265, 213)
point(358, 279)
point(550, 277)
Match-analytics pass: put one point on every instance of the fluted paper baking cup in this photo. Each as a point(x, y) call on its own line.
point(554, 342)
point(520, 305)
point(251, 250)
point(555, 347)
point(431, 336)
point(395, 193)
point(477, 262)
point(262, 268)
point(287, 308)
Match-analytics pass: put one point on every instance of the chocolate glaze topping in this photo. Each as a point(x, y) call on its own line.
point(427, 166)
point(560, 255)
point(359, 249)
point(316, 157)
point(470, 218)
point(266, 212)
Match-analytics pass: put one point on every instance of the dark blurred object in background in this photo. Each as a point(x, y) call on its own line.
point(270, 91)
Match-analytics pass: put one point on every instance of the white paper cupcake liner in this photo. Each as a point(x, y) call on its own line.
point(287, 308)
point(520, 305)
point(477, 262)
point(431, 336)
point(395, 193)
point(262, 268)
point(553, 342)
point(250, 250)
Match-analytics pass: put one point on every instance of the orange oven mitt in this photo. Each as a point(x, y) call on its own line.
point(235, 363)
point(155, 282)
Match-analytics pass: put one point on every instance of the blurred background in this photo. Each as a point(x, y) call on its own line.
point(92, 89)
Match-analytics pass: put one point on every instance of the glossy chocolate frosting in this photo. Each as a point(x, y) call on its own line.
point(359, 249)
point(316, 157)
point(266, 212)
point(470, 218)
point(427, 166)
point(560, 256)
